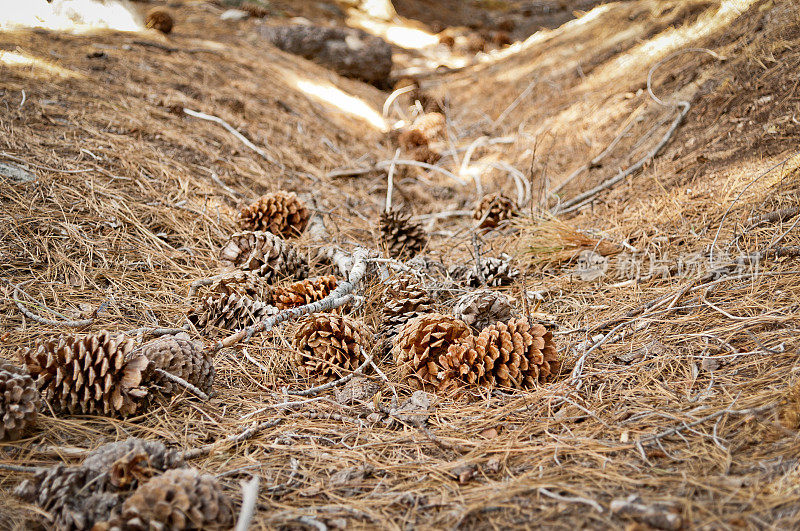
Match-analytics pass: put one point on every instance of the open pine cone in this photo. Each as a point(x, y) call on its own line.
point(80, 497)
point(327, 346)
point(229, 312)
point(483, 307)
point(495, 271)
point(242, 283)
point(402, 238)
point(493, 209)
point(177, 500)
point(281, 213)
point(266, 254)
point(19, 401)
point(512, 354)
point(404, 298)
point(420, 344)
point(179, 355)
point(92, 374)
point(303, 292)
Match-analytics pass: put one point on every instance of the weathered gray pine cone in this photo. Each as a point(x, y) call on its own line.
point(80, 497)
point(483, 307)
point(229, 312)
point(402, 238)
point(266, 254)
point(179, 355)
point(495, 271)
point(19, 401)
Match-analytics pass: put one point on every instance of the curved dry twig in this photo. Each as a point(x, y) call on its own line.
point(69, 323)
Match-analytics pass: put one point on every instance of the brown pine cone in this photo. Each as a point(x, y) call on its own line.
point(281, 213)
point(425, 154)
point(254, 10)
point(328, 346)
point(19, 401)
point(264, 253)
point(80, 497)
point(404, 298)
point(229, 312)
point(92, 374)
point(483, 307)
point(493, 209)
point(303, 292)
point(179, 499)
point(420, 344)
point(179, 355)
point(513, 354)
point(423, 131)
point(159, 19)
point(402, 238)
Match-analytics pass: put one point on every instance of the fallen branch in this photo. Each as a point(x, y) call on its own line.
point(337, 298)
point(69, 323)
point(572, 499)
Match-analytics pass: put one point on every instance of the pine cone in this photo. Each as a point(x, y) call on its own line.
point(281, 213)
point(513, 354)
point(93, 374)
point(179, 355)
point(303, 292)
point(420, 344)
point(78, 497)
point(425, 154)
point(402, 238)
point(179, 499)
point(264, 253)
point(327, 346)
point(229, 312)
point(482, 308)
point(159, 19)
point(404, 298)
point(495, 271)
point(242, 283)
point(493, 209)
point(19, 401)
point(423, 131)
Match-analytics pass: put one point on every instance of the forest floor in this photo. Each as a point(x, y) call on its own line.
point(680, 359)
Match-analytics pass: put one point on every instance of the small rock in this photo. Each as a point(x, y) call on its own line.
point(416, 410)
point(234, 15)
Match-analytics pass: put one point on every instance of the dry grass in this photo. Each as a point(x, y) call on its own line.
point(688, 402)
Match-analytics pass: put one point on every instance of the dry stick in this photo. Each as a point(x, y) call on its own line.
point(232, 131)
point(575, 499)
point(338, 297)
point(390, 184)
point(183, 383)
point(249, 500)
point(385, 163)
point(40, 167)
point(392, 97)
point(243, 436)
point(773, 217)
point(573, 204)
point(25, 311)
point(330, 385)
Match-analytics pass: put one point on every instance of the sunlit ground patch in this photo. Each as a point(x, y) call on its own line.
point(68, 15)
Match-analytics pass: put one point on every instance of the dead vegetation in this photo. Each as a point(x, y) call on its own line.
point(677, 400)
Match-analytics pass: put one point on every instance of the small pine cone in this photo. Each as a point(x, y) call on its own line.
point(281, 213)
point(242, 283)
point(425, 154)
point(420, 344)
point(482, 308)
point(303, 292)
point(254, 9)
point(79, 497)
point(512, 354)
point(19, 401)
point(93, 374)
point(411, 139)
point(159, 19)
point(179, 499)
point(493, 209)
point(404, 298)
point(266, 254)
point(179, 355)
point(402, 238)
point(327, 346)
point(423, 131)
point(229, 312)
point(495, 271)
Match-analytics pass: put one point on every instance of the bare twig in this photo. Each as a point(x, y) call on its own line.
point(183, 383)
point(69, 323)
point(330, 385)
point(232, 131)
point(249, 500)
point(572, 499)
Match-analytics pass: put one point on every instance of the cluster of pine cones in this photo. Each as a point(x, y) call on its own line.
point(130, 485)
